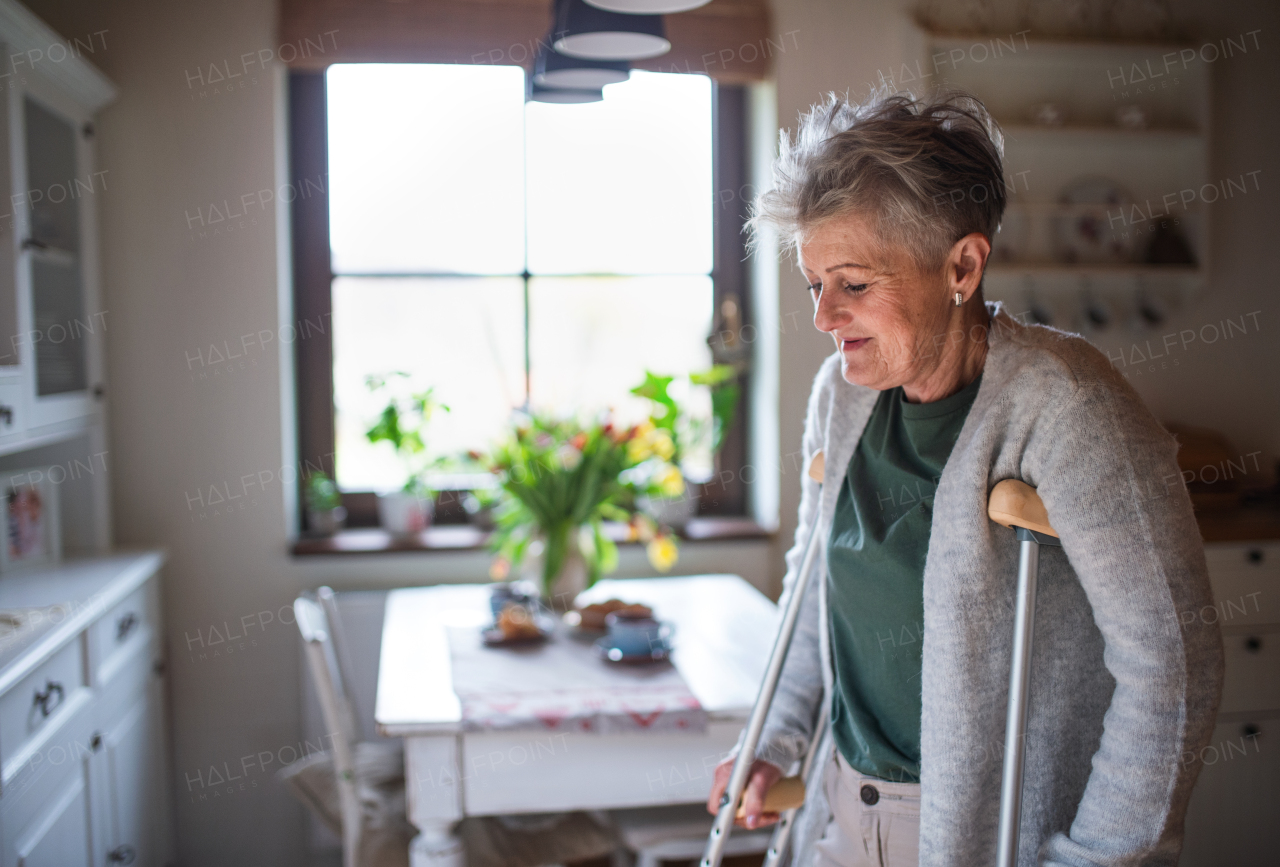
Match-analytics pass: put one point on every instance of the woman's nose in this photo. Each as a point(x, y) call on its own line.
point(828, 315)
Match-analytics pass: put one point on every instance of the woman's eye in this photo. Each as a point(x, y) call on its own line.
point(855, 288)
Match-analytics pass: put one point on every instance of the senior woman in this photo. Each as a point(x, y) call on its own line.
point(930, 398)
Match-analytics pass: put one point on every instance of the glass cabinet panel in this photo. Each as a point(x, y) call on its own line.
point(8, 247)
point(59, 324)
point(51, 179)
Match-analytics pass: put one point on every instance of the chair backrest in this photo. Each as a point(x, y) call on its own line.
point(338, 716)
point(342, 653)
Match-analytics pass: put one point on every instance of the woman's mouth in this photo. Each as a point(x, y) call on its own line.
point(851, 345)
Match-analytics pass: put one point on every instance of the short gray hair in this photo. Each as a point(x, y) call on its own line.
point(927, 172)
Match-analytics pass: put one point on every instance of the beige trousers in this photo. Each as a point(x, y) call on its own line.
point(874, 823)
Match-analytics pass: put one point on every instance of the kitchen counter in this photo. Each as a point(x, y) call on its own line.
point(60, 600)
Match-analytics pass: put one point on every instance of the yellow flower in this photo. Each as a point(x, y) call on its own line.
point(638, 450)
point(663, 446)
point(662, 552)
point(671, 481)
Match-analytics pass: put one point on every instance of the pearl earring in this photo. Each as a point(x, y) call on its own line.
point(959, 299)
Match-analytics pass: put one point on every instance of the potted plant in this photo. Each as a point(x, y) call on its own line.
point(403, 423)
point(325, 513)
point(663, 450)
point(560, 481)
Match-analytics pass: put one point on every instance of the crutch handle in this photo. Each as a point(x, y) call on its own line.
point(786, 794)
point(1016, 504)
point(817, 466)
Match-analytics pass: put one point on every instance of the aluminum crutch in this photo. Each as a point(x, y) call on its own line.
point(810, 771)
point(1016, 505)
point(723, 824)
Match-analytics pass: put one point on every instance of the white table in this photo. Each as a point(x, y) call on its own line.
point(724, 629)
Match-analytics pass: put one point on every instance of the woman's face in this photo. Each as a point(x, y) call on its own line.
point(880, 309)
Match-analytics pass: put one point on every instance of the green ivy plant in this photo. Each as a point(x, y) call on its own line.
point(403, 423)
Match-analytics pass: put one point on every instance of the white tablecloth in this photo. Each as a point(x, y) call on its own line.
point(562, 685)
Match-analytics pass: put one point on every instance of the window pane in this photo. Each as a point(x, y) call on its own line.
point(623, 186)
point(426, 168)
point(464, 336)
point(592, 338)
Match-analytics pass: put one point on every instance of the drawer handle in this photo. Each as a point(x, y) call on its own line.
point(45, 700)
point(1251, 730)
point(124, 854)
point(1253, 644)
point(1255, 556)
point(125, 625)
point(6, 413)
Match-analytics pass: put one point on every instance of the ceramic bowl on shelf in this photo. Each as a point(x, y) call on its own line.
point(1093, 226)
point(1048, 114)
point(1132, 117)
point(1010, 242)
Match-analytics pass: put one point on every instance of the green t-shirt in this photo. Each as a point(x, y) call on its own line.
point(875, 567)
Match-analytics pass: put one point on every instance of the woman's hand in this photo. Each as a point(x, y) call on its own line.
point(763, 775)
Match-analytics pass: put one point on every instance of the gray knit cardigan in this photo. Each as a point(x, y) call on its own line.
point(1123, 690)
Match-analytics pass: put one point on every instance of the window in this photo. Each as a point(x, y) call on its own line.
point(507, 254)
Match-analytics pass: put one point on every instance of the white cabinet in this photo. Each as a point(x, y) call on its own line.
point(58, 835)
point(129, 770)
point(52, 320)
point(60, 319)
point(87, 782)
point(1231, 819)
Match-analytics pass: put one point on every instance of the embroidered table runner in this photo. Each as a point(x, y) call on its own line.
point(562, 686)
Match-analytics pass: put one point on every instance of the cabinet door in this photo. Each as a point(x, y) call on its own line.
point(58, 835)
point(1232, 816)
point(129, 767)
point(59, 321)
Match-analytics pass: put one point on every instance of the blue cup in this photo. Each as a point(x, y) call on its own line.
point(637, 636)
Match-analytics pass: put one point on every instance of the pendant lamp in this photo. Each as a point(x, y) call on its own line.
point(648, 7)
point(593, 34)
point(562, 95)
point(553, 69)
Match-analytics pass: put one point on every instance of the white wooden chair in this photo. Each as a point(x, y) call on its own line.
point(338, 718)
point(374, 830)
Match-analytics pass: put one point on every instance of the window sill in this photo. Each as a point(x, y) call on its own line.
point(463, 537)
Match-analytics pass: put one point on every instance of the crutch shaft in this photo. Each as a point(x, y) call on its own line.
point(1016, 720)
point(755, 725)
point(810, 772)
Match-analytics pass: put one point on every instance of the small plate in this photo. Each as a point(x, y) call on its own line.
point(492, 636)
point(612, 654)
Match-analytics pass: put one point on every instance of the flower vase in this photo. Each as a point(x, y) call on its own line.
point(561, 589)
point(403, 513)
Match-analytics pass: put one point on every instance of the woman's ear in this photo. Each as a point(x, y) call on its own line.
point(965, 264)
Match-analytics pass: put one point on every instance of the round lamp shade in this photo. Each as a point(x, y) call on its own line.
point(563, 95)
point(648, 7)
point(589, 33)
point(553, 69)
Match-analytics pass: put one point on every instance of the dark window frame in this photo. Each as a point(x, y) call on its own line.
point(725, 495)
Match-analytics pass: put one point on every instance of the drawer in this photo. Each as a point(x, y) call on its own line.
point(41, 699)
point(12, 417)
point(1246, 583)
point(1252, 681)
point(1232, 816)
point(115, 635)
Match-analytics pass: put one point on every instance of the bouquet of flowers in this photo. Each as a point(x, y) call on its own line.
point(561, 481)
